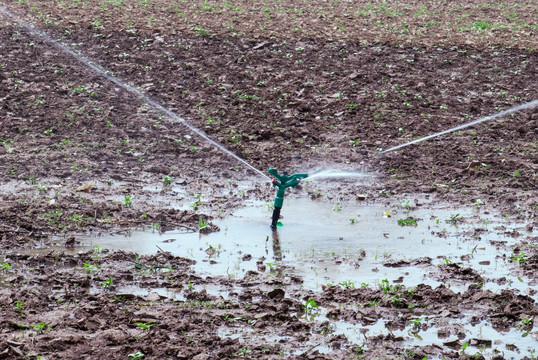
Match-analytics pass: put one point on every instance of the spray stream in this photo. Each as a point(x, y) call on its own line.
point(107, 74)
point(478, 121)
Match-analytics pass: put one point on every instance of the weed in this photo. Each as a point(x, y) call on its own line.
point(144, 325)
point(5, 267)
point(526, 323)
point(107, 284)
point(19, 307)
point(197, 202)
point(410, 221)
point(167, 181)
point(202, 224)
point(90, 268)
point(520, 258)
point(128, 201)
point(310, 307)
point(386, 287)
point(39, 327)
point(453, 219)
point(136, 355)
point(348, 284)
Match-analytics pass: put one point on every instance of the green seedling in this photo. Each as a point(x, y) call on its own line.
point(190, 286)
point(197, 202)
point(19, 307)
point(410, 221)
point(39, 327)
point(167, 181)
point(202, 224)
point(145, 326)
point(136, 355)
point(128, 201)
point(272, 266)
point(348, 284)
point(526, 323)
point(107, 284)
point(90, 268)
point(416, 322)
point(386, 287)
point(520, 258)
point(453, 219)
point(310, 307)
point(5, 267)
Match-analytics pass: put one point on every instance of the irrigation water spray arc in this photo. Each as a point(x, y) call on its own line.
point(33, 30)
point(478, 121)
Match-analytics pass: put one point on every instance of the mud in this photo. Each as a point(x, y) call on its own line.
point(300, 87)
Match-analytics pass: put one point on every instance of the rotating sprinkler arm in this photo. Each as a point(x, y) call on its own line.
point(282, 182)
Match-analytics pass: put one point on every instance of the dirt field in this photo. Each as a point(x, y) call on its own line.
point(93, 141)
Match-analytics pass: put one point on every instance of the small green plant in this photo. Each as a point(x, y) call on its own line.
point(453, 219)
point(144, 325)
point(202, 224)
point(416, 322)
point(190, 286)
point(5, 267)
point(409, 221)
point(462, 351)
point(107, 284)
point(386, 287)
point(310, 307)
point(90, 268)
point(197, 202)
point(136, 355)
point(272, 266)
point(39, 327)
point(519, 258)
point(19, 307)
point(348, 284)
point(167, 181)
point(526, 323)
point(128, 201)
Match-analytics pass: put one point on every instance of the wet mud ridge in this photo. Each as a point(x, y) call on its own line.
point(126, 235)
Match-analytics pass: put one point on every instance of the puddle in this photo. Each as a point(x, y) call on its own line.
point(480, 338)
point(323, 246)
point(319, 243)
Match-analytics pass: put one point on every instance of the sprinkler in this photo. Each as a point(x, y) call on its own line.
point(282, 182)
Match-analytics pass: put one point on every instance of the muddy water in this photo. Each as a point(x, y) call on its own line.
point(332, 243)
point(357, 245)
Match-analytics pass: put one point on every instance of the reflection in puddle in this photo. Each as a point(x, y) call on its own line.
point(360, 245)
point(324, 246)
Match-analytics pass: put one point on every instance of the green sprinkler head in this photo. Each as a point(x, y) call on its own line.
point(282, 182)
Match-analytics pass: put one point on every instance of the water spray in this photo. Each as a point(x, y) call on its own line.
point(478, 121)
point(33, 30)
point(282, 182)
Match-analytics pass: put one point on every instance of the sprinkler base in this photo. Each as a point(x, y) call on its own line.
point(276, 216)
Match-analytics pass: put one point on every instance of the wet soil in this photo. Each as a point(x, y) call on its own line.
point(287, 86)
